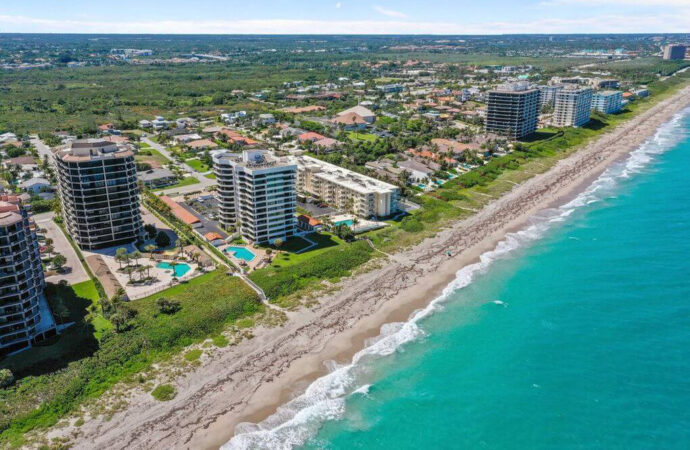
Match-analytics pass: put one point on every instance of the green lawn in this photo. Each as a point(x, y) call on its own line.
point(55, 380)
point(290, 271)
point(358, 136)
point(197, 165)
point(289, 249)
point(187, 181)
point(210, 176)
point(151, 155)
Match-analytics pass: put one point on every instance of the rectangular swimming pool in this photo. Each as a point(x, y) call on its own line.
point(241, 253)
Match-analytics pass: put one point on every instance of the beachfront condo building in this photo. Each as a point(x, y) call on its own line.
point(572, 107)
point(256, 191)
point(97, 182)
point(547, 94)
point(513, 111)
point(674, 51)
point(25, 317)
point(344, 189)
point(607, 102)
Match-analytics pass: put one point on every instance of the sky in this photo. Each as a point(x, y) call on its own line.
point(345, 16)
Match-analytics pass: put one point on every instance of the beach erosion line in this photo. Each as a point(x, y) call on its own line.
point(324, 399)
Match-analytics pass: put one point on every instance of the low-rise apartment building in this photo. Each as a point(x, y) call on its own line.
point(344, 189)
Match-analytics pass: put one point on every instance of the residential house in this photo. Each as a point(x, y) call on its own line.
point(350, 121)
point(35, 185)
point(156, 178)
point(361, 111)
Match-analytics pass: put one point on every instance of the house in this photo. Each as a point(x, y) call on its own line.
point(184, 138)
point(361, 111)
point(5, 137)
point(214, 238)
point(418, 171)
point(159, 123)
point(267, 119)
point(310, 136)
point(451, 146)
point(35, 185)
point(25, 163)
point(327, 144)
point(350, 121)
point(308, 223)
point(156, 178)
point(234, 136)
point(145, 124)
point(201, 144)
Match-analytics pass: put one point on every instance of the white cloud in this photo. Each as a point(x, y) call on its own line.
point(677, 22)
point(390, 12)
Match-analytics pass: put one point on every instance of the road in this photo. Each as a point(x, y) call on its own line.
point(204, 182)
point(43, 150)
point(77, 274)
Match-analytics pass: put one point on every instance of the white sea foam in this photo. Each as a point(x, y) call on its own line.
point(324, 400)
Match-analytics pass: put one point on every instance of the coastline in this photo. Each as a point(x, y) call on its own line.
point(248, 382)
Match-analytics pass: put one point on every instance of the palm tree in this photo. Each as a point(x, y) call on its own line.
point(120, 255)
point(150, 248)
point(136, 255)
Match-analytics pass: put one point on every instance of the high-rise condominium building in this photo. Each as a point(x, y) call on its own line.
point(608, 102)
point(547, 94)
point(572, 107)
point(257, 190)
point(513, 111)
point(675, 51)
point(25, 316)
point(344, 189)
point(100, 198)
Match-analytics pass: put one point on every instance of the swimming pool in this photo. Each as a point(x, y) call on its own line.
point(348, 222)
point(241, 253)
point(180, 268)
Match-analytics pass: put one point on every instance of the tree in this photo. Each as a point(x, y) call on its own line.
point(150, 230)
point(121, 255)
point(135, 256)
point(59, 261)
point(150, 248)
point(6, 378)
point(162, 239)
point(278, 243)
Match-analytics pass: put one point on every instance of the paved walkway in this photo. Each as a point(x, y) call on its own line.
point(204, 182)
point(62, 246)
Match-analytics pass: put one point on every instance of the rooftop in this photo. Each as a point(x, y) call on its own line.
point(344, 177)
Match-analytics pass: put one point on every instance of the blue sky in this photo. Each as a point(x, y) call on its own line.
point(346, 16)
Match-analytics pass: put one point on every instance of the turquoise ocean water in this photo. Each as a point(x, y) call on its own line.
point(573, 333)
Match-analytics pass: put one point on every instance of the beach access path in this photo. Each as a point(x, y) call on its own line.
point(247, 382)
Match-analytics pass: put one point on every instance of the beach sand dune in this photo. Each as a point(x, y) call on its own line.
point(247, 382)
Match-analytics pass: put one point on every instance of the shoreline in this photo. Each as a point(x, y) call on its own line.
point(248, 382)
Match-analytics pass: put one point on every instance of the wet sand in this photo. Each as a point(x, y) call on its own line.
point(246, 383)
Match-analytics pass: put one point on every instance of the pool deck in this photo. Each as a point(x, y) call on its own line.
point(259, 255)
point(164, 276)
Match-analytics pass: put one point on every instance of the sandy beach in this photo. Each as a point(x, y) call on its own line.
point(247, 382)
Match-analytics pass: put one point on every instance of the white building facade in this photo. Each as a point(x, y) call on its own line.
point(257, 191)
point(572, 107)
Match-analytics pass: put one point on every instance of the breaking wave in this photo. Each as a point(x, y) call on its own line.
point(300, 419)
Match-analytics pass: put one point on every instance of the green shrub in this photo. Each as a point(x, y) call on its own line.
point(193, 355)
point(220, 341)
point(6, 378)
point(164, 393)
point(411, 224)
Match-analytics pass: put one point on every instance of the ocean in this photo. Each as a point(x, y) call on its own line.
point(572, 333)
